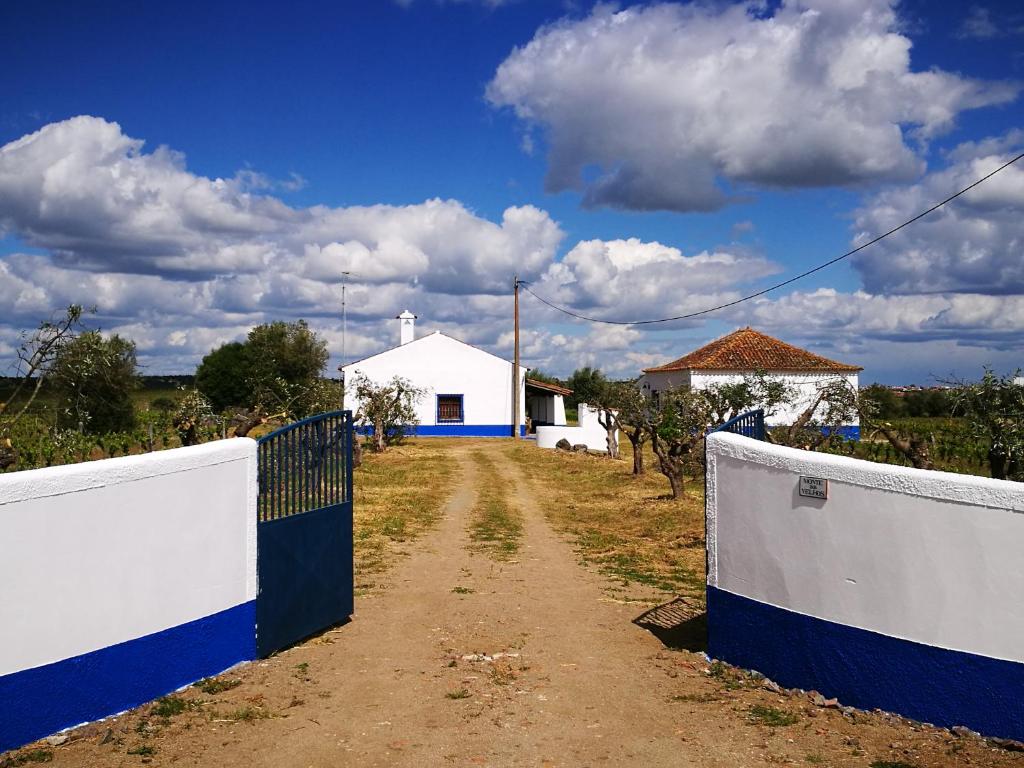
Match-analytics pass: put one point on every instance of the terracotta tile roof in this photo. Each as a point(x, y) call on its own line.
point(548, 386)
point(750, 350)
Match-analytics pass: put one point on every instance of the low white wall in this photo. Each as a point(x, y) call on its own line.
point(122, 580)
point(589, 432)
point(931, 557)
point(102, 552)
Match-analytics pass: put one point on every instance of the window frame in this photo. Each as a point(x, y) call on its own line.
point(462, 409)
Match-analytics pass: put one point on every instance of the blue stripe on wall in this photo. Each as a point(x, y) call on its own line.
point(866, 669)
point(39, 701)
point(454, 430)
point(465, 430)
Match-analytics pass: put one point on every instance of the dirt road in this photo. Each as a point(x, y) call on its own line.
point(467, 660)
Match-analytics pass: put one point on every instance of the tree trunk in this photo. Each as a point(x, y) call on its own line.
point(379, 441)
point(636, 439)
point(357, 451)
point(914, 448)
point(997, 465)
point(607, 420)
point(669, 469)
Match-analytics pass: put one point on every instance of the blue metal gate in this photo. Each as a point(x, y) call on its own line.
point(304, 530)
point(749, 424)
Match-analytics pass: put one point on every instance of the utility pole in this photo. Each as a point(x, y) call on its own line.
point(515, 365)
point(344, 333)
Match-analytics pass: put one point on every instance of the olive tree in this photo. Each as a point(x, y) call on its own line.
point(754, 390)
point(388, 408)
point(676, 424)
point(93, 377)
point(837, 402)
point(622, 406)
point(994, 411)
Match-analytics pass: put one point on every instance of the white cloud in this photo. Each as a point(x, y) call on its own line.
point(87, 192)
point(974, 244)
point(630, 279)
point(673, 106)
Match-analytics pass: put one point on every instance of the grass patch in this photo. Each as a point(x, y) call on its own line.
point(462, 693)
point(771, 716)
point(495, 527)
point(169, 706)
point(398, 495)
point(622, 524)
point(248, 714)
point(143, 750)
point(815, 759)
point(212, 686)
point(695, 698)
point(28, 756)
point(891, 764)
point(462, 590)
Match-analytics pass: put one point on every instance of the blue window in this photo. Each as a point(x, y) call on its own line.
point(449, 409)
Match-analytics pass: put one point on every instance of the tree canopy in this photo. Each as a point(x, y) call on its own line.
point(278, 368)
point(93, 377)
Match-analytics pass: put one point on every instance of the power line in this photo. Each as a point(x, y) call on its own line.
point(802, 275)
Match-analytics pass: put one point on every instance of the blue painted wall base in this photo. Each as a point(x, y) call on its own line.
point(866, 669)
point(43, 700)
point(456, 430)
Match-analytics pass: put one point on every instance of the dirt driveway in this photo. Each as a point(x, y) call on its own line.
point(468, 660)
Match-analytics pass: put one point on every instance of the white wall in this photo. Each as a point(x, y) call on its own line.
point(931, 557)
point(445, 366)
point(806, 386)
point(103, 552)
point(589, 432)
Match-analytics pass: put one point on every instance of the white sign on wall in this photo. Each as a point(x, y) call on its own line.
point(814, 487)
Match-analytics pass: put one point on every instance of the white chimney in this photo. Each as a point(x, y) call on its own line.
point(408, 325)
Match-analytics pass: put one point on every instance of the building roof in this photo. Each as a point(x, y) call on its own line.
point(435, 335)
point(548, 386)
point(750, 350)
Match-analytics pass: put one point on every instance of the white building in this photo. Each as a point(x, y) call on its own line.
point(468, 392)
point(741, 353)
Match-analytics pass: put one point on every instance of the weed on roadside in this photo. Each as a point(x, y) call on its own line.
point(143, 750)
point(212, 686)
point(302, 672)
point(771, 716)
point(463, 590)
point(462, 693)
point(891, 764)
point(169, 706)
point(815, 759)
point(28, 756)
point(731, 678)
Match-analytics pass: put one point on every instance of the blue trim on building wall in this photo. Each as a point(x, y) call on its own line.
point(43, 700)
point(848, 432)
point(867, 669)
point(465, 430)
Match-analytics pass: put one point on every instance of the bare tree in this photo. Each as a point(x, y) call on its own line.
point(625, 406)
point(36, 356)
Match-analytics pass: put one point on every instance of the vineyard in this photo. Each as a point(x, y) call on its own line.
point(952, 447)
point(40, 443)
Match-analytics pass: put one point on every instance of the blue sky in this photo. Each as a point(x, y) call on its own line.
point(647, 164)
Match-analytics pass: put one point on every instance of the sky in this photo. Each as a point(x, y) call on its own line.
point(191, 171)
